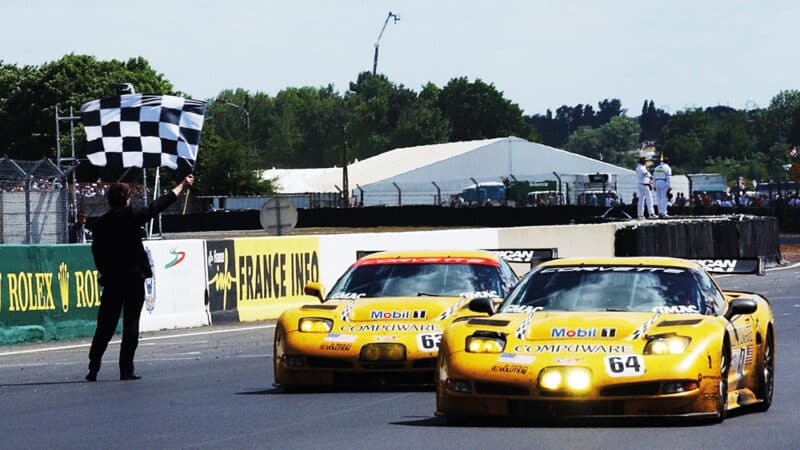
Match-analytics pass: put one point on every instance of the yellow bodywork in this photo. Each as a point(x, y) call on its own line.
point(388, 340)
point(604, 353)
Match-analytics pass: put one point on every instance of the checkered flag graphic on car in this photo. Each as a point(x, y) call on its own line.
point(137, 130)
point(449, 311)
point(526, 323)
point(639, 332)
point(348, 309)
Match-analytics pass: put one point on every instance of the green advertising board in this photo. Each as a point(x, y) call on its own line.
point(47, 292)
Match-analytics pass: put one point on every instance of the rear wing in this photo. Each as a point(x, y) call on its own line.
point(533, 256)
point(735, 266)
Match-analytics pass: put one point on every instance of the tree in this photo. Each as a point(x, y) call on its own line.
point(477, 110)
point(610, 143)
point(227, 167)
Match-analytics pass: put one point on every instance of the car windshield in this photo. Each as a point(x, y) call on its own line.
point(417, 279)
point(608, 288)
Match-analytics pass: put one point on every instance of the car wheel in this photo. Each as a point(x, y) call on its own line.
point(766, 377)
point(724, 368)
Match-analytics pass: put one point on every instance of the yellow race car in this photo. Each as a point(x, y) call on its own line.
point(383, 319)
point(612, 337)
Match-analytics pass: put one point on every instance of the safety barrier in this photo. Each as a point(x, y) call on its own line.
point(51, 292)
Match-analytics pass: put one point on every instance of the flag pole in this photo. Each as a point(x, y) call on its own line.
point(186, 200)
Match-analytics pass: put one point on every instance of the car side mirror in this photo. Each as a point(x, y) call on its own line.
point(482, 305)
point(739, 306)
point(314, 289)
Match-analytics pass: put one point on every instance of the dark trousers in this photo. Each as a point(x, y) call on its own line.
point(120, 296)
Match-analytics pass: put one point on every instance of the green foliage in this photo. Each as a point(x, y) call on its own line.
point(609, 143)
point(228, 167)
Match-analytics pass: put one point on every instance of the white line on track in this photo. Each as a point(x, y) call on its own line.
point(145, 339)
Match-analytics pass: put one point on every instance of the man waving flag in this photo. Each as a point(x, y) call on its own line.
point(137, 130)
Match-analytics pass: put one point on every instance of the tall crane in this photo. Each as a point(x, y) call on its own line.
point(378, 41)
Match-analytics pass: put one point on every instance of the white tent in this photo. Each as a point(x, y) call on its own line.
point(431, 173)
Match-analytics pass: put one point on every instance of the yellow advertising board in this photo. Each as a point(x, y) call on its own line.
point(271, 274)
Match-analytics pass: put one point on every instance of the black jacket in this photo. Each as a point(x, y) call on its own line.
point(117, 246)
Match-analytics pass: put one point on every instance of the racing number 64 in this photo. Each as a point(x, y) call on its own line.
point(624, 366)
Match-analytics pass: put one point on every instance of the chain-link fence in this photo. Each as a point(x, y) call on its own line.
point(33, 202)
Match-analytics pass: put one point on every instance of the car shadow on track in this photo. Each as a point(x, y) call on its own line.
point(514, 422)
point(334, 390)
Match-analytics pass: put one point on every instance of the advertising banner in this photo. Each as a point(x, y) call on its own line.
point(221, 280)
point(47, 292)
point(271, 274)
point(175, 297)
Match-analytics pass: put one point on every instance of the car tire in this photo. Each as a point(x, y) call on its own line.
point(766, 375)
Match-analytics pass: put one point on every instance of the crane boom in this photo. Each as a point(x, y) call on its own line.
point(378, 41)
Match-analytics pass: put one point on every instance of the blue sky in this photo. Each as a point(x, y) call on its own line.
point(541, 54)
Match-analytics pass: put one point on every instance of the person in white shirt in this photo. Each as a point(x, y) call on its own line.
point(645, 183)
point(661, 181)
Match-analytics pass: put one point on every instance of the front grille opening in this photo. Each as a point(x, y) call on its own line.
point(501, 389)
point(328, 363)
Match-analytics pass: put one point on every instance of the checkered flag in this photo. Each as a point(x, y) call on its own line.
point(147, 131)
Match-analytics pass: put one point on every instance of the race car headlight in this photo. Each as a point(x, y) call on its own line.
point(383, 352)
point(315, 325)
point(485, 342)
point(572, 379)
point(666, 345)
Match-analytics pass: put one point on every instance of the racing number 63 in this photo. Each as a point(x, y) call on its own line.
point(624, 366)
point(429, 342)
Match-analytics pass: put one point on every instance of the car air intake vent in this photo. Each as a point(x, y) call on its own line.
point(677, 323)
point(624, 390)
point(489, 322)
point(325, 307)
point(501, 389)
point(328, 363)
point(424, 363)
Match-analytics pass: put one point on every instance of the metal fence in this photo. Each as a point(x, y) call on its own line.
point(34, 204)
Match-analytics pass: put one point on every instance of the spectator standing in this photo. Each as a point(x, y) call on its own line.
point(77, 232)
point(661, 181)
point(645, 183)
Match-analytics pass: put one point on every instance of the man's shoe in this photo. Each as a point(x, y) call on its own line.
point(129, 376)
point(91, 376)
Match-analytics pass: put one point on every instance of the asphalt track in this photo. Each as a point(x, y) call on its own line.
point(212, 388)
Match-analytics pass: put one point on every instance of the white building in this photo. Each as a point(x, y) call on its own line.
point(429, 174)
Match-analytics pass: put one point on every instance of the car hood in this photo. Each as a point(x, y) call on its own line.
point(400, 308)
point(556, 325)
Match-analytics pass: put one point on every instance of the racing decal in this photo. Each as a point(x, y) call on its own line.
point(336, 337)
point(385, 338)
point(677, 309)
point(346, 295)
point(639, 332)
point(479, 294)
point(637, 269)
point(449, 311)
point(510, 368)
point(526, 255)
point(582, 332)
point(748, 355)
point(347, 311)
point(429, 342)
point(568, 361)
point(624, 365)
point(526, 323)
point(336, 347)
point(573, 348)
point(514, 358)
point(397, 314)
point(391, 327)
point(519, 308)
